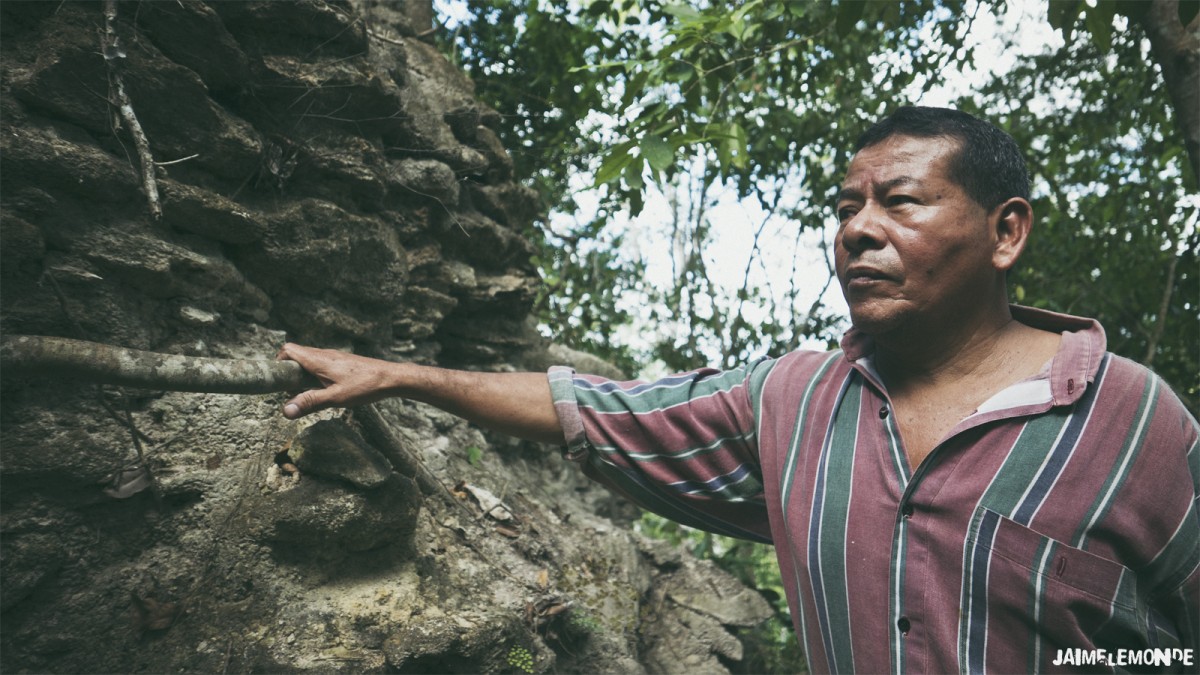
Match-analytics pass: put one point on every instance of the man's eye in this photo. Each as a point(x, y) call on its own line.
point(846, 213)
point(897, 200)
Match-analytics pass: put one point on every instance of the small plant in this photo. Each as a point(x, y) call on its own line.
point(584, 623)
point(474, 454)
point(520, 658)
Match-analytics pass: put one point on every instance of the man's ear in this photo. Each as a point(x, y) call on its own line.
point(1011, 223)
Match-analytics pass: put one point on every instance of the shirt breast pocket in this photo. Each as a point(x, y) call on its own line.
point(1027, 596)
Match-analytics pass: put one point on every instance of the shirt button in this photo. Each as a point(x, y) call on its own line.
point(883, 412)
point(904, 624)
point(907, 510)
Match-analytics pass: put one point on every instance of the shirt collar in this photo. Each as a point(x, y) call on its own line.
point(1073, 367)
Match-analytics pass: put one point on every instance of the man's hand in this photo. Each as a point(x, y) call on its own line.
point(348, 379)
point(518, 404)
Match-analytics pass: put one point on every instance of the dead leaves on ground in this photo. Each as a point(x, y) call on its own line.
point(151, 614)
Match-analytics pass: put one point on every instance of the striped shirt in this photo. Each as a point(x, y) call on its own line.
point(1061, 514)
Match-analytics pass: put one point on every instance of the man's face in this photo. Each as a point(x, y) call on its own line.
point(911, 243)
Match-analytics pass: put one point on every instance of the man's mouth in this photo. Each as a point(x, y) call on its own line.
point(863, 276)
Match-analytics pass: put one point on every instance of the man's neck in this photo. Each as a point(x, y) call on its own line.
point(956, 351)
point(935, 381)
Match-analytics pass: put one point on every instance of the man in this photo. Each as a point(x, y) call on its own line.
point(965, 486)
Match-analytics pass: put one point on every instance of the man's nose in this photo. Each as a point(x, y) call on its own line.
point(864, 230)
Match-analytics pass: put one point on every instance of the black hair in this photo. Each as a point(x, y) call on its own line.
point(988, 164)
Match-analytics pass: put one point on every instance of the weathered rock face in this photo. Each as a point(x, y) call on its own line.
point(324, 177)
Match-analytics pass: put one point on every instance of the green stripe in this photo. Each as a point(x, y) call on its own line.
point(1122, 614)
point(1004, 493)
point(698, 451)
point(658, 398)
point(1177, 559)
point(1024, 462)
point(793, 455)
point(1124, 461)
point(835, 512)
point(789, 473)
point(757, 382)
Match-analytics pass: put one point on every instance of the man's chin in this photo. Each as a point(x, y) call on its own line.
point(875, 321)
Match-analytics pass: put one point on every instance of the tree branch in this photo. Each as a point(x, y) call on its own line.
point(1160, 319)
point(31, 355)
point(1176, 49)
point(112, 55)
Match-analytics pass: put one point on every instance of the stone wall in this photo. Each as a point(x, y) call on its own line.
point(324, 176)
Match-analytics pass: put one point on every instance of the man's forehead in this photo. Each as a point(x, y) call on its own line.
point(900, 160)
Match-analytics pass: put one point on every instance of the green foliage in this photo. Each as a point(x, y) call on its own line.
point(520, 659)
point(766, 98)
point(583, 622)
point(1116, 236)
point(474, 455)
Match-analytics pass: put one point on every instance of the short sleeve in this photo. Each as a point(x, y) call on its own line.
point(684, 447)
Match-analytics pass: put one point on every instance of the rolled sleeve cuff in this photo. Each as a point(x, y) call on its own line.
point(562, 389)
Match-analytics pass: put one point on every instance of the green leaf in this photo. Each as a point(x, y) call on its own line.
point(633, 175)
point(599, 66)
point(1061, 14)
point(1188, 9)
point(612, 166)
point(680, 71)
point(1099, 20)
point(684, 13)
point(658, 152)
point(634, 88)
point(733, 150)
point(474, 455)
point(848, 14)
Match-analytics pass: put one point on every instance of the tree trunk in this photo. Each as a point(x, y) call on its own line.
point(1176, 49)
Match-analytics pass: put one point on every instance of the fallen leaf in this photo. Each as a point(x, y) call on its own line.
point(543, 579)
point(490, 503)
point(151, 614)
point(128, 482)
point(556, 609)
point(508, 532)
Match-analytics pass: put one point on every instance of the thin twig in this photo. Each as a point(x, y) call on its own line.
point(177, 161)
point(112, 55)
point(384, 38)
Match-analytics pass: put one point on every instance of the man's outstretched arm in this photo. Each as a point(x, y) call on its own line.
point(518, 404)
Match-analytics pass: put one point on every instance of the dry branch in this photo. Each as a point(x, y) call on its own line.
point(112, 56)
point(31, 355)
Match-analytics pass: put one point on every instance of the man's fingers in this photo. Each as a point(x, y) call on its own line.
point(304, 403)
point(291, 352)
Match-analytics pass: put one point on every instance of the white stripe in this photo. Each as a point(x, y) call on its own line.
point(1037, 606)
point(655, 411)
point(1133, 445)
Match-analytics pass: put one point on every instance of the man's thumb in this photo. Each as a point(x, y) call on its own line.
point(303, 404)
